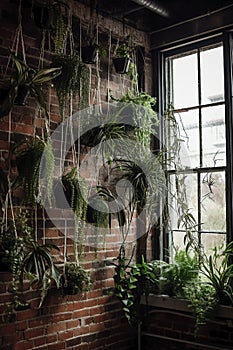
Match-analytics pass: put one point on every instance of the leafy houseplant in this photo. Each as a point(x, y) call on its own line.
point(202, 300)
point(176, 275)
point(75, 190)
point(28, 162)
point(122, 60)
point(218, 270)
point(39, 266)
point(26, 256)
point(144, 116)
point(131, 282)
point(73, 80)
point(76, 279)
point(90, 51)
point(26, 81)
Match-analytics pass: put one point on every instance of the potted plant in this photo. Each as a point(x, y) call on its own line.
point(39, 266)
point(75, 190)
point(13, 236)
point(24, 82)
point(90, 51)
point(76, 279)
point(122, 59)
point(73, 80)
point(28, 160)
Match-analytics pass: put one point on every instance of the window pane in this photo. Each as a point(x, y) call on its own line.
point(184, 187)
point(185, 81)
point(213, 136)
point(178, 240)
point(189, 133)
point(211, 240)
point(213, 205)
point(212, 77)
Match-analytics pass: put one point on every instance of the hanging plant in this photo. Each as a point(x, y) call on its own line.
point(143, 118)
point(76, 279)
point(75, 189)
point(90, 51)
point(39, 266)
point(98, 211)
point(123, 59)
point(28, 163)
point(24, 82)
point(13, 236)
point(73, 80)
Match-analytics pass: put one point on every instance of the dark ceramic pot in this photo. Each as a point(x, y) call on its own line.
point(89, 54)
point(121, 64)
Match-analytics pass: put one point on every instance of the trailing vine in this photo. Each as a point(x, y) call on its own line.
point(29, 167)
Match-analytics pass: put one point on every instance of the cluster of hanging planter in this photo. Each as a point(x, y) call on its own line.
point(21, 251)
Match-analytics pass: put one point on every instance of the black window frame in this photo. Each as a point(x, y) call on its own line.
point(160, 240)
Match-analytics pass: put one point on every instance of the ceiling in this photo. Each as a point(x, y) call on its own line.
point(171, 13)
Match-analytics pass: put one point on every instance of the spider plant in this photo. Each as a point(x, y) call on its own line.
point(39, 266)
point(27, 81)
point(218, 269)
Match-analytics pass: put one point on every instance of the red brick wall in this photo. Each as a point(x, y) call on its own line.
point(93, 320)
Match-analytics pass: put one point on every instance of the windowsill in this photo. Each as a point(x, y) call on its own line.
point(169, 303)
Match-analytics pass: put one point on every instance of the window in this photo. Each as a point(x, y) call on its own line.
point(194, 84)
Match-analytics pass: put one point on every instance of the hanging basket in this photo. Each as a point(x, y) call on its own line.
point(121, 64)
point(89, 54)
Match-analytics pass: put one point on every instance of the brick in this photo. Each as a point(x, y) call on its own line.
point(39, 341)
point(57, 346)
point(24, 345)
point(33, 333)
point(73, 342)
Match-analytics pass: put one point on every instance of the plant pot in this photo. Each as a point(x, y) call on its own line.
point(70, 290)
point(90, 137)
point(5, 104)
point(22, 95)
point(121, 64)
point(4, 262)
point(89, 54)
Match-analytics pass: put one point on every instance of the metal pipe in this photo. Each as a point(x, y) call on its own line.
point(153, 6)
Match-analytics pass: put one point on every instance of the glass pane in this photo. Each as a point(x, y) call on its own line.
point(189, 133)
point(213, 204)
point(184, 188)
point(178, 241)
point(211, 240)
point(212, 77)
point(185, 81)
point(213, 136)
